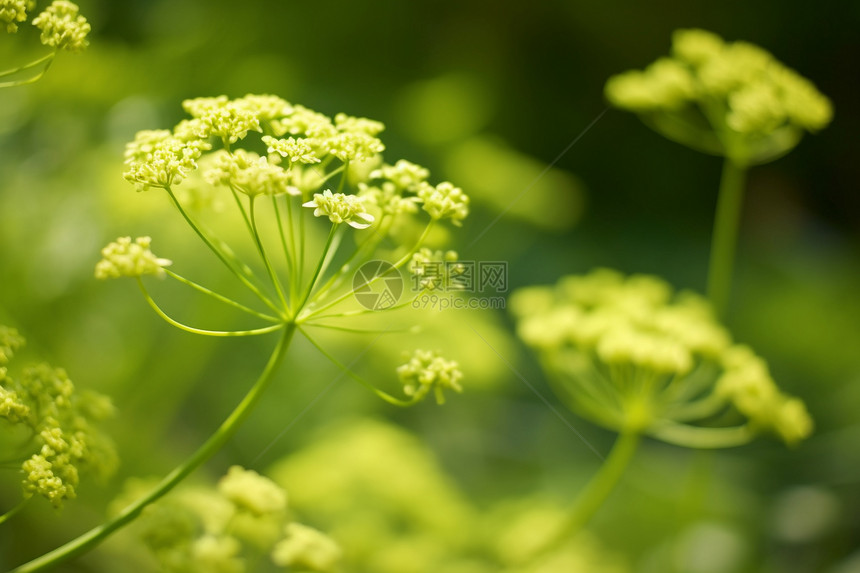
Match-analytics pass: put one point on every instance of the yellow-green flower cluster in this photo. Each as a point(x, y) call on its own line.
point(61, 424)
point(124, 258)
point(306, 549)
point(295, 150)
point(340, 208)
point(305, 149)
point(228, 120)
point(13, 12)
point(63, 28)
point(247, 172)
point(444, 201)
point(426, 370)
point(159, 158)
point(435, 269)
point(628, 353)
point(755, 107)
point(228, 527)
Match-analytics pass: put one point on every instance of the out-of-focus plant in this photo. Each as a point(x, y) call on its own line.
point(50, 431)
point(358, 481)
point(223, 528)
point(380, 217)
point(629, 354)
point(732, 99)
point(62, 29)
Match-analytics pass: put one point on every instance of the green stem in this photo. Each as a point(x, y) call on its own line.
point(396, 266)
point(288, 257)
point(201, 331)
point(597, 490)
point(221, 256)
point(324, 257)
point(220, 297)
point(93, 537)
point(380, 393)
point(702, 438)
point(273, 276)
point(367, 246)
point(724, 239)
point(33, 64)
point(47, 60)
point(11, 513)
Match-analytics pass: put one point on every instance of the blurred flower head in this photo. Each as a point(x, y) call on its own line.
point(630, 354)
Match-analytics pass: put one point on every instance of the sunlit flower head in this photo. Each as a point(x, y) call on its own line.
point(127, 258)
point(444, 201)
point(63, 28)
point(340, 208)
point(13, 12)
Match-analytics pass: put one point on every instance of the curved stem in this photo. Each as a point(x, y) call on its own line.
point(11, 513)
point(33, 64)
point(597, 490)
point(724, 239)
point(201, 331)
point(702, 438)
point(221, 297)
point(380, 393)
point(93, 537)
point(47, 60)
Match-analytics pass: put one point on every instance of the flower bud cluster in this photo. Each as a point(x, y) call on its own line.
point(227, 528)
point(61, 421)
point(628, 347)
point(435, 269)
point(63, 28)
point(752, 102)
point(125, 258)
point(302, 145)
point(158, 158)
point(13, 12)
point(341, 208)
point(425, 371)
point(247, 172)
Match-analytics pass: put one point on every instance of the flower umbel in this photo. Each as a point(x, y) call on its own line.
point(628, 354)
point(63, 28)
point(158, 158)
point(426, 370)
point(13, 12)
point(444, 201)
point(727, 98)
point(340, 208)
point(124, 258)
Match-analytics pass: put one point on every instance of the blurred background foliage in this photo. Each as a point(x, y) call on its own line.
point(490, 98)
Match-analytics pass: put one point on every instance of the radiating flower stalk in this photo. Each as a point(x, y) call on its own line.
point(62, 29)
point(629, 354)
point(305, 169)
point(731, 99)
